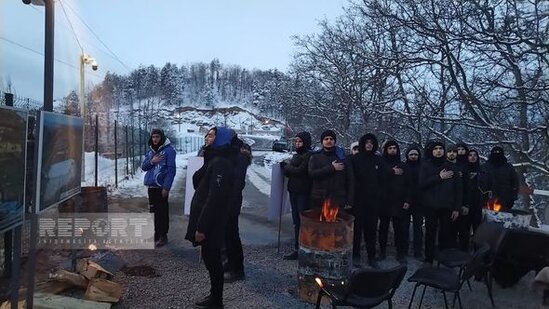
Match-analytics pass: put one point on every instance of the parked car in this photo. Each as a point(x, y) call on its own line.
point(280, 146)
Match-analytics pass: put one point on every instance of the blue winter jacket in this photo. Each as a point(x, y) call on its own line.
point(162, 174)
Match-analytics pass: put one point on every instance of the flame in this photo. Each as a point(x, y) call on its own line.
point(493, 204)
point(329, 213)
point(92, 247)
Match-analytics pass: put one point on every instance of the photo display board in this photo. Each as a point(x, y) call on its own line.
point(58, 158)
point(13, 145)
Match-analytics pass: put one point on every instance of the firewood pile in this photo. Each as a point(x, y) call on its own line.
point(100, 293)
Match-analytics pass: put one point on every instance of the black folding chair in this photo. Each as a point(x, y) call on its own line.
point(446, 279)
point(367, 288)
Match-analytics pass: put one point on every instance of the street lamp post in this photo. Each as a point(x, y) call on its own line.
point(84, 59)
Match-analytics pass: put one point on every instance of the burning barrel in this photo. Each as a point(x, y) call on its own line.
point(325, 249)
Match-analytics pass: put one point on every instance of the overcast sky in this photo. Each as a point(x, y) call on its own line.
point(250, 33)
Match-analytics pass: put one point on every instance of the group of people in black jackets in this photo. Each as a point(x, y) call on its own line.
point(446, 188)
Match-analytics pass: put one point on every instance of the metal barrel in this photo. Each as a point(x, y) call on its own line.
point(325, 251)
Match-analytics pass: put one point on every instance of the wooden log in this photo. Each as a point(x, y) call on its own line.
point(103, 290)
point(22, 304)
point(69, 277)
point(90, 270)
point(51, 301)
point(49, 287)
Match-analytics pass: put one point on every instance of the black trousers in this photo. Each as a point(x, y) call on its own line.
point(212, 261)
point(233, 246)
point(417, 220)
point(475, 213)
point(401, 233)
point(367, 224)
point(463, 231)
point(161, 212)
point(437, 221)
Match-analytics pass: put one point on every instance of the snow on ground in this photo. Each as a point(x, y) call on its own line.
point(132, 186)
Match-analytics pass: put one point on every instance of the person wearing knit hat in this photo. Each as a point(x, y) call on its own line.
point(327, 170)
point(354, 148)
point(299, 184)
point(503, 177)
point(159, 165)
point(330, 133)
point(460, 228)
point(462, 152)
point(441, 190)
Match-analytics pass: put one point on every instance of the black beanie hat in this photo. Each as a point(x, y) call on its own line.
point(157, 131)
point(328, 133)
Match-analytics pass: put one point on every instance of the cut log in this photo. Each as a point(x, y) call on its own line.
point(103, 290)
point(20, 305)
point(51, 301)
point(90, 270)
point(69, 277)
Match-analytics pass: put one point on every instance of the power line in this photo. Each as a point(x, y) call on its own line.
point(97, 37)
point(41, 54)
point(70, 24)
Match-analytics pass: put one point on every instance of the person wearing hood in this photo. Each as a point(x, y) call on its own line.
point(210, 207)
point(396, 206)
point(330, 180)
point(367, 171)
point(411, 168)
point(299, 184)
point(462, 153)
point(441, 194)
point(234, 268)
point(503, 177)
point(159, 165)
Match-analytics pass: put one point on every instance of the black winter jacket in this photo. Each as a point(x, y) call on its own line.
point(437, 193)
point(297, 172)
point(326, 181)
point(210, 204)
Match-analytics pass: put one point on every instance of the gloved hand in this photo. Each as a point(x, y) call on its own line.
point(464, 210)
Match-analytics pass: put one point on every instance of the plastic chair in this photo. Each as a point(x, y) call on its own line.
point(447, 280)
point(367, 288)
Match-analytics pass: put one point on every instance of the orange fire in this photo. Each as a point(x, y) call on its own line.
point(493, 204)
point(329, 213)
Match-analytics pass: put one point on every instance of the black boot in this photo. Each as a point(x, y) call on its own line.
point(291, 256)
point(208, 303)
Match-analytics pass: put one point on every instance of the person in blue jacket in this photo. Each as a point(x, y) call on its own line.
point(159, 165)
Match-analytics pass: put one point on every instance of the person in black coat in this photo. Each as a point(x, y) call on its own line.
point(299, 184)
point(327, 171)
point(210, 205)
point(441, 194)
point(367, 171)
point(474, 189)
point(462, 226)
point(234, 268)
point(411, 169)
point(395, 206)
point(503, 178)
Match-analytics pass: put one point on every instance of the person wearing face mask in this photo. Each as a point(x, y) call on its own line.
point(299, 184)
point(503, 177)
point(328, 172)
point(396, 206)
point(441, 194)
point(411, 167)
point(367, 171)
